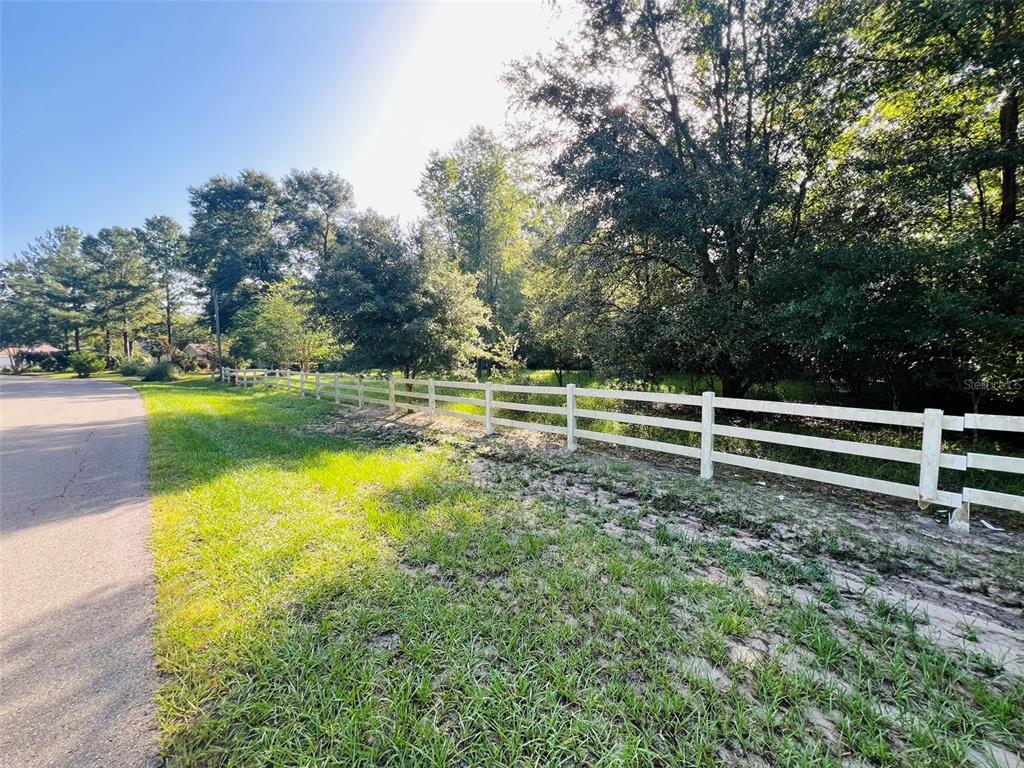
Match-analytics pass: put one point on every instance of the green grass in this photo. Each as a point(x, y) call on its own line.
point(356, 599)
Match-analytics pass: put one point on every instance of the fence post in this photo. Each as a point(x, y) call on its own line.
point(302, 384)
point(317, 374)
point(570, 416)
point(489, 409)
point(707, 435)
point(931, 446)
point(337, 387)
point(432, 399)
point(359, 389)
point(391, 394)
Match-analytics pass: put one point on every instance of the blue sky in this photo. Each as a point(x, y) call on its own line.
point(111, 110)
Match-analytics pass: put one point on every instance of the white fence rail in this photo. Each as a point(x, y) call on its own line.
point(359, 390)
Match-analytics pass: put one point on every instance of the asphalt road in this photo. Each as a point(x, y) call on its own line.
point(77, 676)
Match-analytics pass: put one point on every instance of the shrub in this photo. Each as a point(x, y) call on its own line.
point(55, 363)
point(132, 366)
point(85, 364)
point(159, 372)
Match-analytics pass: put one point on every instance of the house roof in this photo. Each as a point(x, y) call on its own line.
point(206, 349)
point(37, 348)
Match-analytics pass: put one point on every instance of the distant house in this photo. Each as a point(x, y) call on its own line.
point(200, 351)
point(7, 354)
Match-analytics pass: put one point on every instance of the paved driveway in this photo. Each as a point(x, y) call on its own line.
point(76, 587)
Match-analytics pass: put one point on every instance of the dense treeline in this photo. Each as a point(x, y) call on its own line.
point(755, 190)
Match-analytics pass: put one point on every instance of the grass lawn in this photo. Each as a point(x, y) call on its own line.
point(369, 596)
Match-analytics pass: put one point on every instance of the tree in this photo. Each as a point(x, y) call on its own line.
point(947, 77)
point(163, 243)
point(316, 205)
point(23, 321)
point(236, 246)
point(125, 282)
point(396, 304)
point(279, 328)
point(558, 312)
point(52, 282)
point(685, 138)
point(478, 209)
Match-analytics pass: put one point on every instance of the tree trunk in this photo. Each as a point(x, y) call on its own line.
point(107, 338)
point(733, 385)
point(78, 339)
point(168, 289)
point(1009, 117)
point(216, 327)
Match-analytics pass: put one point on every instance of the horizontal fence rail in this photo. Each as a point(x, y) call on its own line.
point(422, 395)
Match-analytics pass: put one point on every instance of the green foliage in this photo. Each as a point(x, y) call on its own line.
point(316, 204)
point(48, 291)
point(163, 242)
point(236, 244)
point(132, 366)
point(397, 305)
point(162, 371)
point(478, 215)
point(124, 282)
point(279, 329)
point(86, 363)
point(831, 213)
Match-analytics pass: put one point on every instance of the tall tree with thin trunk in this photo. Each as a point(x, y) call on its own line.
point(163, 242)
point(125, 282)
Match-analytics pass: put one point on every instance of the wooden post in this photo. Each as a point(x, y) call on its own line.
point(302, 384)
point(707, 435)
point(337, 387)
point(489, 409)
point(570, 416)
point(431, 399)
point(391, 394)
point(317, 385)
point(359, 389)
point(931, 447)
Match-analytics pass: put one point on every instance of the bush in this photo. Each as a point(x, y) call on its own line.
point(85, 364)
point(159, 372)
point(132, 366)
point(55, 363)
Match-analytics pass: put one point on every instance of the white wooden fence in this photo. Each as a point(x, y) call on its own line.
point(929, 458)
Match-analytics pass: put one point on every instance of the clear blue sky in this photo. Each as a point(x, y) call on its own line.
point(111, 110)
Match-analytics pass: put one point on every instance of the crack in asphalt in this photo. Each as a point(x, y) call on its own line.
point(81, 464)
